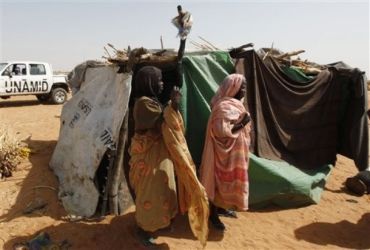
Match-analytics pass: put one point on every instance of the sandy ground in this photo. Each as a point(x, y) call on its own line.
point(340, 220)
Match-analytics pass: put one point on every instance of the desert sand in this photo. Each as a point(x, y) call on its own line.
point(340, 220)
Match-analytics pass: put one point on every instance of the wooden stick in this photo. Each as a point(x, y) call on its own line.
point(209, 43)
point(195, 45)
point(107, 51)
point(110, 45)
point(199, 46)
point(272, 46)
point(206, 47)
point(161, 43)
point(293, 53)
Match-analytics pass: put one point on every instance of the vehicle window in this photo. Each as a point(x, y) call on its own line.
point(7, 70)
point(2, 65)
point(37, 69)
point(17, 69)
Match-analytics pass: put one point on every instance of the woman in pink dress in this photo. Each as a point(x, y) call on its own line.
point(224, 168)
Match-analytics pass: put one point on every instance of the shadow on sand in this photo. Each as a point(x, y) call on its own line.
point(38, 186)
point(343, 234)
point(119, 233)
point(111, 233)
point(20, 103)
point(181, 230)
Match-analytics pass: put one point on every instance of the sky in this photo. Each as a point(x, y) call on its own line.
point(66, 33)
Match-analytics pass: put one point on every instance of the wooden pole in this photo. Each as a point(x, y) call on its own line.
point(267, 53)
point(210, 44)
point(293, 53)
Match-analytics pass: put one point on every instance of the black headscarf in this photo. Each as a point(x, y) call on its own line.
point(147, 82)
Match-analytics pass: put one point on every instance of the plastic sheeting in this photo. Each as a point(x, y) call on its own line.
point(90, 123)
point(273, 182)
point(306, 124)
point(201, 77)
point(284, 185)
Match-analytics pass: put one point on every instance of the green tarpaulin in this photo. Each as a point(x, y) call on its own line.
point(201, 76)
point(296, 74)
point(270, 181)
point(273, 182)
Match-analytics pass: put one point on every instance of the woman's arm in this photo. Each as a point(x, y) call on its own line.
point(147, 114)
point(237, 126)
point(175, 98)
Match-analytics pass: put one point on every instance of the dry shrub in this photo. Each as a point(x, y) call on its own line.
point(11, 152)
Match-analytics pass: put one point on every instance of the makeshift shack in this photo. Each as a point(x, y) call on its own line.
point(290, 161)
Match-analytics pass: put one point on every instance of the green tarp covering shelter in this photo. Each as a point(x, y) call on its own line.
point(201, 76)
point(270, 181)
point(282, 184)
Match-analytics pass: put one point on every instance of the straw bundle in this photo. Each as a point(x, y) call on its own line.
point(11, 152)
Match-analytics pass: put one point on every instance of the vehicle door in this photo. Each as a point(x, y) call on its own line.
point(15, 77)
point(40, 80)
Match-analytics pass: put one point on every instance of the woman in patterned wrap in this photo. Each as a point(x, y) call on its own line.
point(151, 169)
point(158, 147)
point(224, 168)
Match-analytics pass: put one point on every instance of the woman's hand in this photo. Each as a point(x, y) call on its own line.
point(246, 119)
point(239, 125)
point(175, 98)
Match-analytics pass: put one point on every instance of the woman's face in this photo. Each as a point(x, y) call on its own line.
point(242, 91)
point(160, 85)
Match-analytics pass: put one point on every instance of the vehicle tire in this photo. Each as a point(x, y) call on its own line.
point(43, 97)
point(58, 95)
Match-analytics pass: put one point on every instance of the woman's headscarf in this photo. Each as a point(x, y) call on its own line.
point(229, 87)
point(147, 81)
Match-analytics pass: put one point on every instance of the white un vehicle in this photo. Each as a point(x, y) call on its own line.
point(32, 78)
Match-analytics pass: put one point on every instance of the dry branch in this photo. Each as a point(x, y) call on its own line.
point(268, 52)
point(11, 152)
point(210, 44)
point(289, 54)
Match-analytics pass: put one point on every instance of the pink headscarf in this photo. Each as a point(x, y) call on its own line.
point(229, 87)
